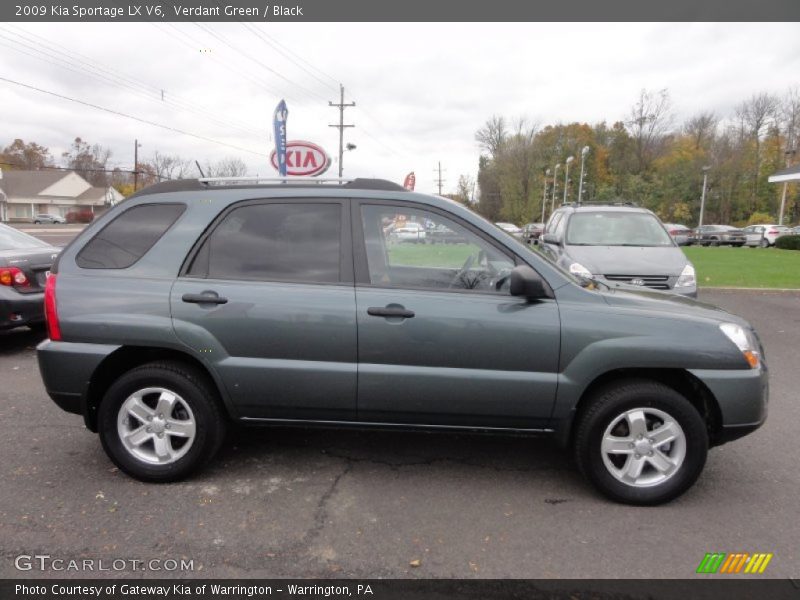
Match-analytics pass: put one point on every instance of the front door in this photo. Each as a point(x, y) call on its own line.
point(268, 301)
point(440, 340)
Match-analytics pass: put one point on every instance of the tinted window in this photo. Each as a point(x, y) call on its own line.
point(129, 236)
point(413, 248)
point(285, 242)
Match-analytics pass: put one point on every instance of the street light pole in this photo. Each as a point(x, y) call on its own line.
point(544, 192)
point(584, 152)
point(788, 153)
point(555, 187)
point(703, 197)
point(566, 177)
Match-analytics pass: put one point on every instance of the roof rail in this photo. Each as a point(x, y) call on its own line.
point(284, 180)
point(600, 203)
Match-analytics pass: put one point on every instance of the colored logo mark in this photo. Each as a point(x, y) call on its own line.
point(737, 562)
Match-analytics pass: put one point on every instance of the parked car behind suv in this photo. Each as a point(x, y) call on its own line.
point(682, 235)
point(764, 235)
point(531, 232)
point(199, 303)
point(48, 218)
point(618, 245)
point(719, 235)
point(25, 263)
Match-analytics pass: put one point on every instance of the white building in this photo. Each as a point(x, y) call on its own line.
point(27, 193)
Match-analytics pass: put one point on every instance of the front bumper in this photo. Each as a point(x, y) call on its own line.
point(20, 309)
point(742, 396)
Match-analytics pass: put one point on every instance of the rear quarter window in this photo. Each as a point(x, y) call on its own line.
point(129, 236)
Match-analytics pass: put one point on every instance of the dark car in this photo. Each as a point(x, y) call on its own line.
point(682, 235)
point(619, 245)
point(199, 303)
point(720, 235)
point(531, 232)
point(441, 234)
point(25, 263)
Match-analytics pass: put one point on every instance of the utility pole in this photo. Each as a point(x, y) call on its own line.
point(544, 192)
point(341, 106)
point(135, 165)
point(439, 179)
point(789, 153)
point(703, 197)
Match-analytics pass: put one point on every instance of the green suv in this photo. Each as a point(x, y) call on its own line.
point(196, 304)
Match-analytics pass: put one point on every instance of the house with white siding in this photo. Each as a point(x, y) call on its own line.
point(27, 193)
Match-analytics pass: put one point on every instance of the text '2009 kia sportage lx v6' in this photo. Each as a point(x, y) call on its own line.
point(203, 302)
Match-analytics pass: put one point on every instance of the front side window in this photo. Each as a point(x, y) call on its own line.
point(129, 236)
point(413, 248)
point(606, 228)
point(274, 242)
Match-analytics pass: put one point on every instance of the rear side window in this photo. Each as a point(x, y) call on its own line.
point(128, 237)
point(274, 242)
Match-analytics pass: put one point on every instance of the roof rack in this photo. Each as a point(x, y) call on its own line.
point(600, 203)
point(207, 183)
point(284, 180)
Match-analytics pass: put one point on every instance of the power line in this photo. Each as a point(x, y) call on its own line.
point(127, 116)
point(258, 62)
point(52, 51)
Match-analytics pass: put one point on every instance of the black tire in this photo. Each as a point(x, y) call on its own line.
point(606, 406)
point(714, 242)
point(37, 222)
point(195, 390)
point(764, 243)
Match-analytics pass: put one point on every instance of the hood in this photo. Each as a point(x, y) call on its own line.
point(628, 260)
point(668, 303)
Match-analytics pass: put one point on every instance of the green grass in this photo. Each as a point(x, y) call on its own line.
point(430, 255)
point(745, 267)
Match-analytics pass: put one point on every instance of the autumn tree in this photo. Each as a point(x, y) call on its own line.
point(89, 161)
point(28, 156)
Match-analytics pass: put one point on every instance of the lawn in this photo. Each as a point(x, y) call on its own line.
point(426, 255)
point(745, 267)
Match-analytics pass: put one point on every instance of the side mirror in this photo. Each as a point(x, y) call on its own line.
point(550, 238)
point(526, 282)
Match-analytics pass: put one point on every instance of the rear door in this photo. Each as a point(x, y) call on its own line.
point(440, 339)
point(267, 298)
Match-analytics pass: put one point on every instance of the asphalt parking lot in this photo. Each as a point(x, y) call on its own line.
point(315, 503)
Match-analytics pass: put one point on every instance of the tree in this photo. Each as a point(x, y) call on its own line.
point(167, 166)
point(226, 167)
point(89, 161)
point(30, 156)
point(702, 129)
point(465, 189)
point(648, 123)
point(492, 136)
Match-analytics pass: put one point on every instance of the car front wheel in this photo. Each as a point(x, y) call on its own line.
point(641, 442)
point(161, 421)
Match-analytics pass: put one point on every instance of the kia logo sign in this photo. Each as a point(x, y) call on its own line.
point(303, 159)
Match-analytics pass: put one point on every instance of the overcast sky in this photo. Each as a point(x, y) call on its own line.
point(421, 89)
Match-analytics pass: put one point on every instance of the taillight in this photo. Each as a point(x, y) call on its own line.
point(12, 276)
point(772, 231)
point(50, 312)
point(674, 232)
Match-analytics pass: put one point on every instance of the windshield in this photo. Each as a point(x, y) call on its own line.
point(11, 239)
point(606, 228)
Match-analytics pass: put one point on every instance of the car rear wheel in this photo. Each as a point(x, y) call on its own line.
point(641, 442)
point(764, 243)
point(161, 421)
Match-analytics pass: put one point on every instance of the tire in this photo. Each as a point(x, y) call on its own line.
point(37, 222)
point(764, 243)
point(195, 413)
point(714, 242)
point(606, 416)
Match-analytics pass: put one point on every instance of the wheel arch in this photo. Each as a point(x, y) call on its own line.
point(124, 359)
point(680, 380)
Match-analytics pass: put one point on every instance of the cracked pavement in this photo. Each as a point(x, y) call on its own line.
point(320, 503)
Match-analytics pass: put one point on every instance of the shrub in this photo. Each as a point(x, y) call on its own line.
point(760, 218)
point(788, 242)
point(83, 216)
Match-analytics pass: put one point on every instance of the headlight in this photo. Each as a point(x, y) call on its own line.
point(745, 341)
point(688, 277)
point(581, 271)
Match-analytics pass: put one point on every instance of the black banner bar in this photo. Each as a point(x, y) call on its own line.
point(396, 589)
point(406, 11)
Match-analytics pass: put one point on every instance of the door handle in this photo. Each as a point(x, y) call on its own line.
point(390, 311)
point(204, 298)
